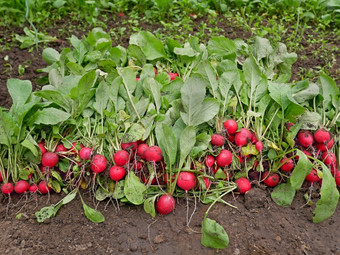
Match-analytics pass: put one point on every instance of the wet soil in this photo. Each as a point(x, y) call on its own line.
point(258, 226)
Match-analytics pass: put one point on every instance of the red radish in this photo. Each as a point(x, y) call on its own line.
point(137, 79)
point(120, 14)
point(117, 173)
point(322, 136)
point(231, 138)
point(85, 153)
point(43, 187)
point(253, 138)
point(49, 159)
point(75, 146)
point(165, 204)
point(42, 148)
point(173, 76)
point(329, 158)
point(209, 161)
point(305, 138)
point(1, 177)
point(217, 140)
point(288, 164)
point(313, 176)
point(325, 146)
point(240, 159)
point(129, 146)
point(271, 180)
point(98, 163)
point(153, 154)
point(33, 188)
point(61, 148)
point(337, 178)
point(243, 137)
point(137, 166)
point(155, 70)
point(215, 169)
point(289, 125)
point(230, 126)
point(259, 146)
point(207, 183)
point(21, 186)
point(186, 180)
point(224, 158)
point(7, 188)
point(243, 185)
point(141, 149)
point(121, 158)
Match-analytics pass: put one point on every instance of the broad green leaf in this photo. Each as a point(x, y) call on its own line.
point(113, 91)
point(101, 194)
point(134, 133)
point(79, 49)
point(326, 205)
point(301, 170)
point(262, 48)
point(118, 190)
point(221, 46)
point(292, 134)
point(329, 91)
point(129, 79)
point(84, 85)
point(208, 72)
point(45, 213)
point(57, 176)
point(208, 110)
point(92, 214)
point(310, 120)
point(149, 205)
point(202, 143)
point(151, 46)
point(303, 91)
point(55, 97)
point(213, 235)
point(20, 91)
point(283, 194)
point(136, 53)
point(24, 173)
point(187, 142)
point(75, 68)
point(69, 197)
point(252, 73)
point(50, 116)
point(29, 145)
point(102, 97)
point(186, 51)
point(155, 88)
point(281, 93)
point(134, 189)
point(167, 142)
point(50, 55)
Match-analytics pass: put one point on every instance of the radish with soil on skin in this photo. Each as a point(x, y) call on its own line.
point(43, 187)
point(138, 165)
point(243, 137)
point(75, 146)
point(254, 138)
point(329, 158)
point(33, 188)
point(217, 140)
point(322, 136)
point(141, 149)
point(21, 186)
point(121, 158)
point(313, 176)
point(42, 148)
point(61, 148)
point(230, 126)
point(117, 173)
point(173, 76)
point(98, 164)
point(153, 154)
point(243, 185)
point(271, 180)
point(231, 138)
point(337, 178)
point(50, 159)
point(305, 138)
point(7, 188)
point(288, 164)
point(85, 153)
point(209, 161)
point(186, 180)
point(1, 179)
point(224, 158)
point(324, 146)
point(165, 204)
point(129, 146)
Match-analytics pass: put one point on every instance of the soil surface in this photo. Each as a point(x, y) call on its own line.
point(258, 226)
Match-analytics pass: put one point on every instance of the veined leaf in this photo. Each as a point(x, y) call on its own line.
point(50, 116)
point(214, 235)
point(301, 170)
point(134, 189)
point(187, 142)
point(20, 91)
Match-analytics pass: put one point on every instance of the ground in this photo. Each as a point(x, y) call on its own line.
point(257, 226)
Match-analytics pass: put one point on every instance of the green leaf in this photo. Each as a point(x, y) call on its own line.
point(20, 91)
point(221, 46)
point(79, 49)
point(50, 55)
point(326, 205)
point(134, 133)
point(202, 143)
point(209, 110)
point(101, 194)
point(102, 97)
point(281, 93)
point(214, 235)
point(86, 82)
point(301, 170)
point(134, 189)
point(167, 142)
point(149, 205)
point(45, 213)
point(69, 197)
point(155, 88)
point(208, 72)
point(283, 194)
point(262, 48)
point(29, 145)
point(50, 116)
point(187, 143)
point(92, 214)
point(55, 97)
point(149, 44)
point(186, 51)
point(310, 120)
point(118, 190)
point(329, 91)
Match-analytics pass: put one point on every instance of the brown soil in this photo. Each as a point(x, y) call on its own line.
point(258, 226)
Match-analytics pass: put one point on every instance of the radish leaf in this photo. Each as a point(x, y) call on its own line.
point(214, 235)
point(301, 170)
point(149, 205)
point(92, 214)
point(134, 189)
point(283, 194)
